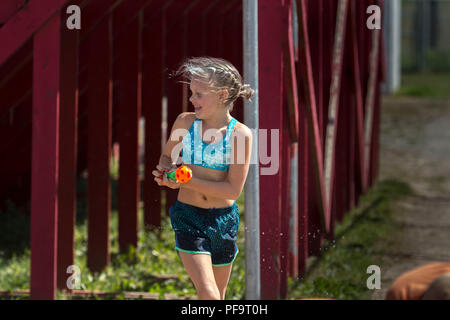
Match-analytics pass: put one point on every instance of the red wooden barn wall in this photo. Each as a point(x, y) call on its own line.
point(115, 70)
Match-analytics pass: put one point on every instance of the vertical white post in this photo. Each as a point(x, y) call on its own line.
point(392, 17)
point(252, 252)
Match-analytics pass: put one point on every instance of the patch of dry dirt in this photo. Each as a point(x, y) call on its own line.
point(415, 148)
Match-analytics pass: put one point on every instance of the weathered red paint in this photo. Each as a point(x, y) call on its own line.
point(303, 189)
point(153, 52)
point(25, 23)
point(292, 119)
point(173, 91)
point(196, 28)
point(45, 139)
point(311, 108)
point(99, 144)
point(270, 17)
point(127, 100)
point(67, 151)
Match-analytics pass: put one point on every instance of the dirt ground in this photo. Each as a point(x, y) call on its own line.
point(415, 148)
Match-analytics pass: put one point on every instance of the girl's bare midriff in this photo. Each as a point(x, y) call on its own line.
point(199, 199)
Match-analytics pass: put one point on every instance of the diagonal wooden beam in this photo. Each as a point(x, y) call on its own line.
point(290, 221)
point(333, 108)
point(8, 8)
point(359, 101)
point(25, 23)
point(291, 85)
point(311, 111)
point(370, 98)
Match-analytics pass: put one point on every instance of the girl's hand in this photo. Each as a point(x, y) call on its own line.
point(161, 178)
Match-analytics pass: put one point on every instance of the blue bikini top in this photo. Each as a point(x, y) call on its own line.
point(212, 155)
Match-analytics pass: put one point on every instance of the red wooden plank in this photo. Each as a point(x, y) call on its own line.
point(12, 164)
point(99, 145)
point(323, 20)
point(15, 88)
point(223, 11)
point(352, 146)
point(237, 61)
point(270, 19)
point(289, 131)
point(68, 151)
point(322, 54)
point(16, 153)
point(291, 95)
point(229, 20)
point(333, 108)
point(95, 13)
point(308, 86)
point(370, 100)
point(25, 23)
point(314, 33)
point(346, 145)
point(361, 182)
point(8, 8)
point(377, 107)
point(128, 105)
point(232, 46)
point(194, 29)
point(16, 62)
point(341, 157)
point(127, 12)
point(291, 82)
point(229, 30)
point(290, 135)
point(374, 169)
point(187, 20)
point(285, 213)
point(294, 235)
point(314, 219)
point(349, 112)
point(205, 19)
point(15, 147)
point(15, 123)
point(173, 91)
point(304, 167)
point(211, 28)
point(44, 200)
point(152, 80)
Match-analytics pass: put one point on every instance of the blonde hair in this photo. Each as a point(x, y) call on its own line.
point(218, 74)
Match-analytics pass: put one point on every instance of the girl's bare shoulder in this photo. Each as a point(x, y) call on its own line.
point(241, 129)
point(185, 119)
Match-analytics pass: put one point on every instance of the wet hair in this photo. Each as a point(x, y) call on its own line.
point(439, 289)
point(218, 74)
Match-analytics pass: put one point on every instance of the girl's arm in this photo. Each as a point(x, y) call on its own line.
point(179, 129)
point(167, 160)
point(232, 186)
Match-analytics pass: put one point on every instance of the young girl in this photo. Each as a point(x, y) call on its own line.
point(205, 217)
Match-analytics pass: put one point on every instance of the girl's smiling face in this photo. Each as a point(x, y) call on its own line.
point(206, 102)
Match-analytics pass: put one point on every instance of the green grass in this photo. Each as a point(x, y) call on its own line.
point(340, 271)
point(134, 271)
point(432, 85)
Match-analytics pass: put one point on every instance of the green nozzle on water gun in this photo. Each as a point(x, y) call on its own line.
point(183, 174)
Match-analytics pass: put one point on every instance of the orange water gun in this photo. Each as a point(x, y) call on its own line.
point(182, 174)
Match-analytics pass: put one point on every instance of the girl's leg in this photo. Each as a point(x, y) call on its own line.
point(222, 275)
point(199, 269)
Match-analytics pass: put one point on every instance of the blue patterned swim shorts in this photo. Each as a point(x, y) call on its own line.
point(210, 231)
